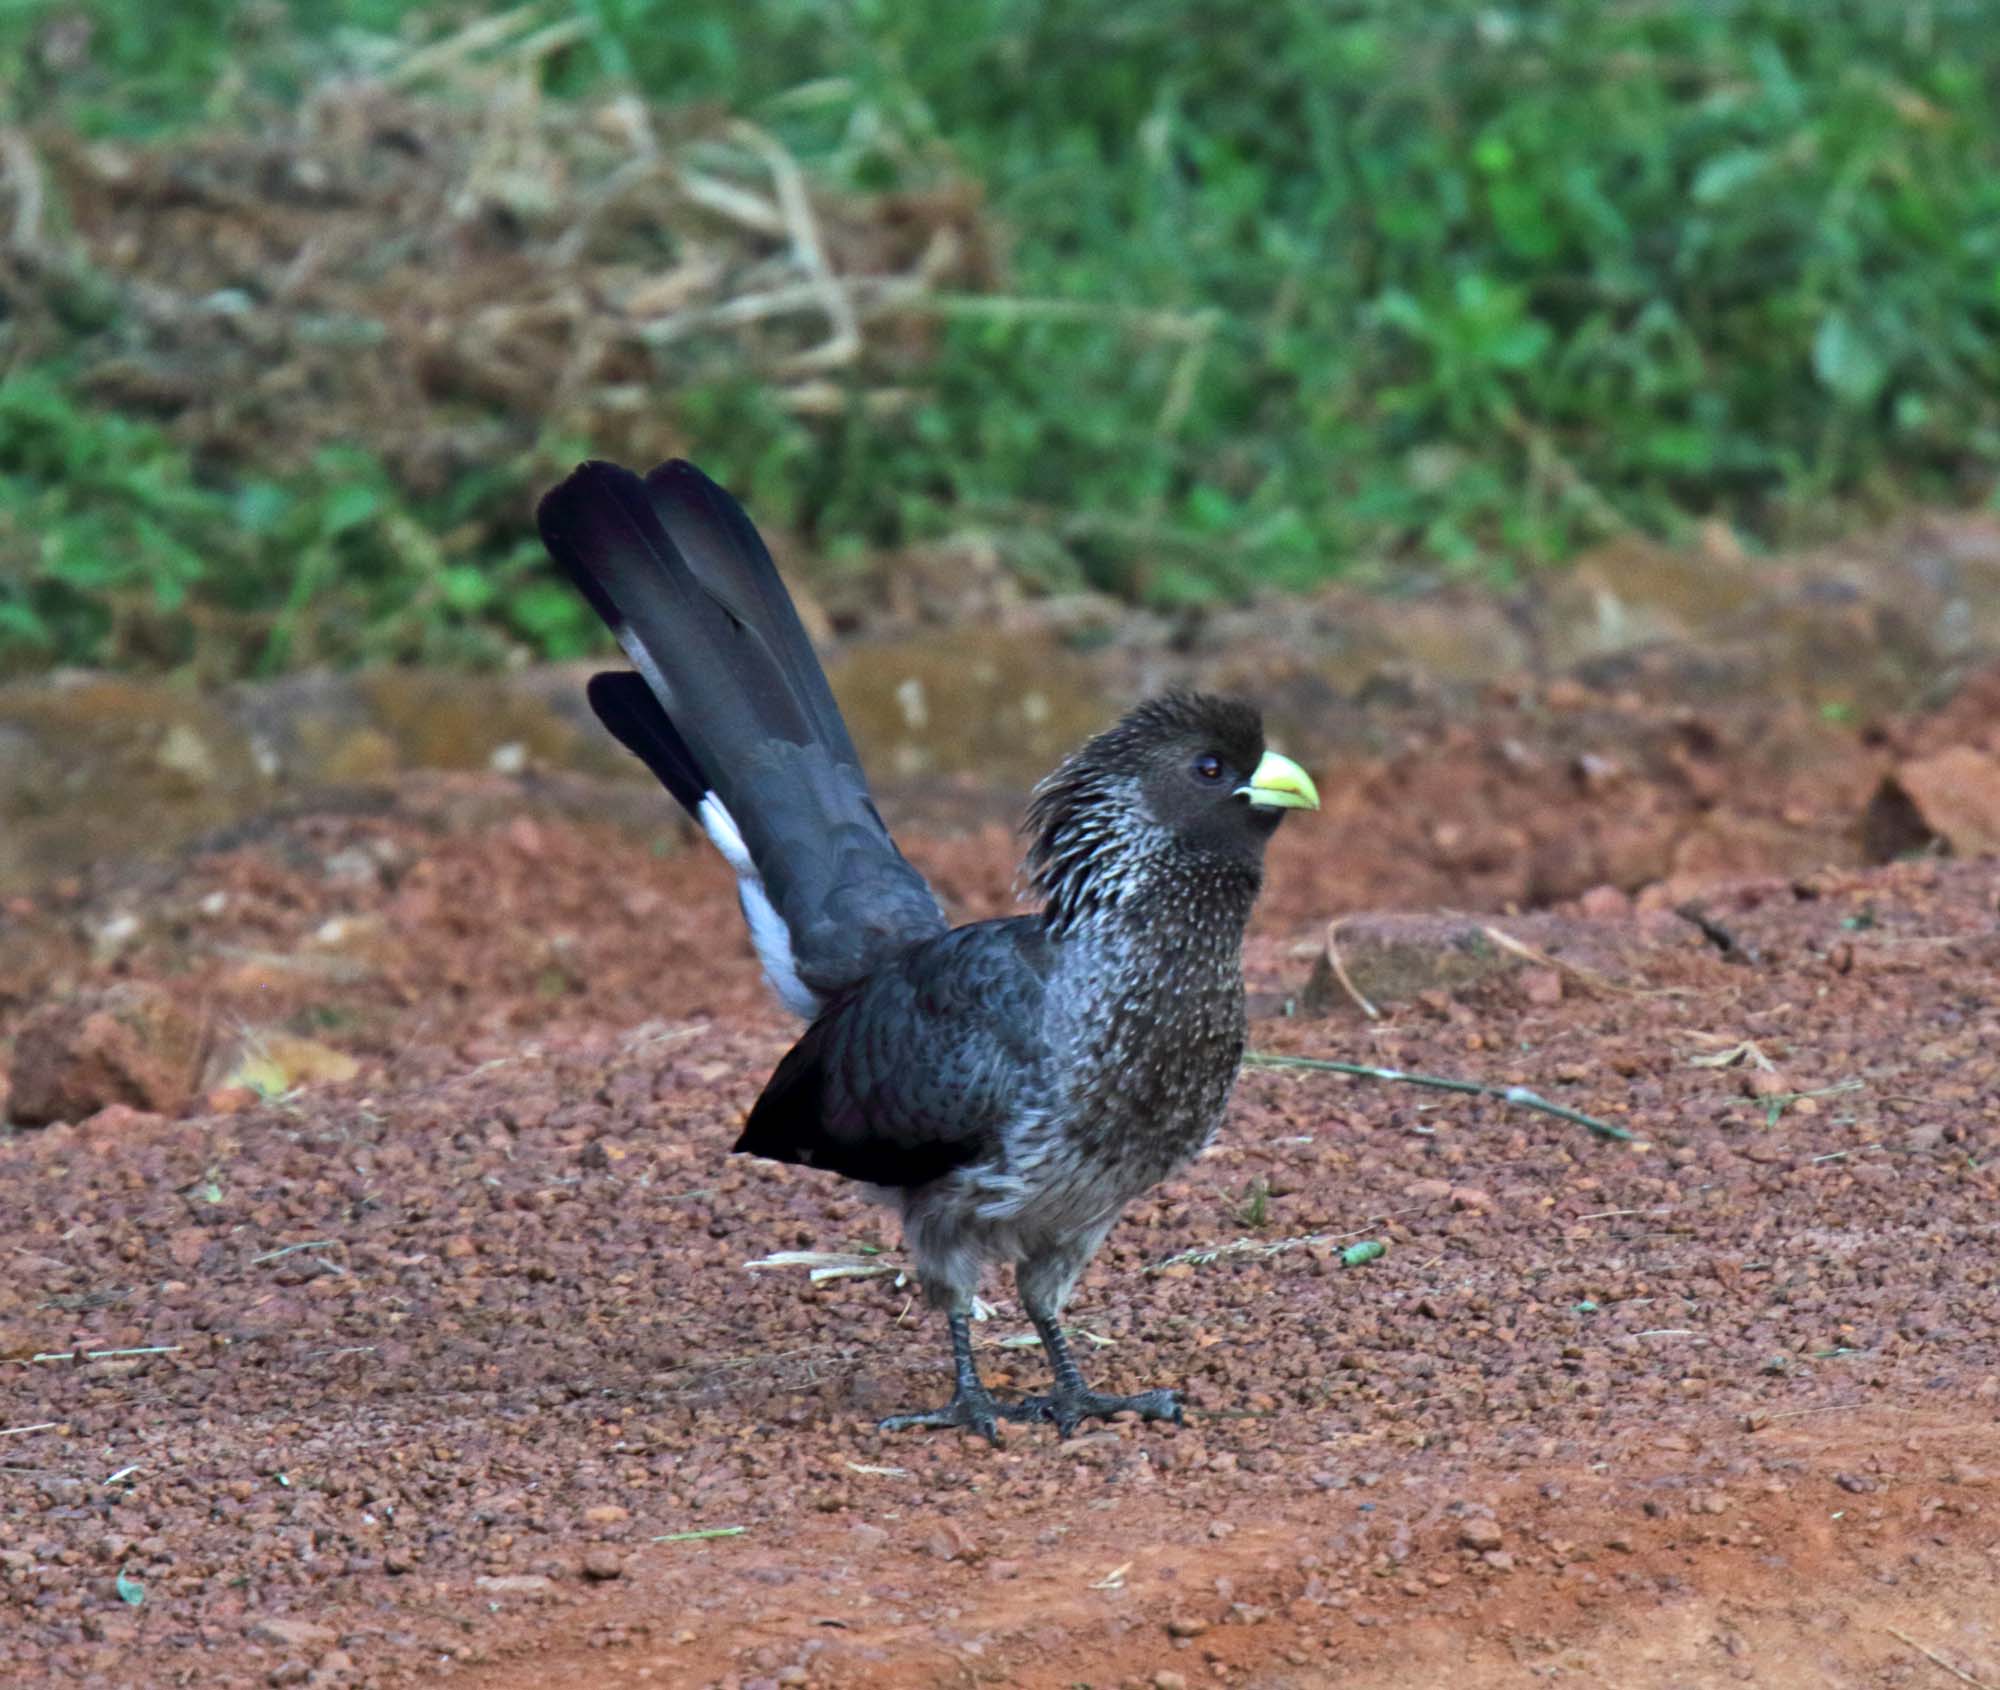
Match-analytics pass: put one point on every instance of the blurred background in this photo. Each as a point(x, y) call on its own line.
point(975, 301)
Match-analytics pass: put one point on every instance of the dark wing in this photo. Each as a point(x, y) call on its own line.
point(922, 1069)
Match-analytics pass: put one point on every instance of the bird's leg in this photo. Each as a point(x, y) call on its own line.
point(1072, 1401)
point(972, 1406)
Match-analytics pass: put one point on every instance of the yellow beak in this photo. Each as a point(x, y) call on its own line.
point(1280, 784)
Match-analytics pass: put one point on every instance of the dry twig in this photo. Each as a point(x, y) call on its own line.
point(1520, 1096)
point(1334, 962)
point(1936, 1659)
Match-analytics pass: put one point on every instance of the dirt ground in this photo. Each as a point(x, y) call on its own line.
point(455, 1368)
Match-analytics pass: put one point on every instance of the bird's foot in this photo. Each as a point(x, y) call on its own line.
point(972, 1411)
point(1069, 1409)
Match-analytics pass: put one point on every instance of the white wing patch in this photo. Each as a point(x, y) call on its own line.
point(768, 931)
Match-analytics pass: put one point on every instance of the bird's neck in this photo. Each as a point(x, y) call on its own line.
point(1155, 896)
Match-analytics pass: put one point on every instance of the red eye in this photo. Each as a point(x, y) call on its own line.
point(1208, 766)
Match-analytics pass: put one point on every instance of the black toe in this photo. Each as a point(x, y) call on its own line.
point(1069, 1409)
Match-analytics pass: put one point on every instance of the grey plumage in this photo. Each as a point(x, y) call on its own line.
point(1011, 1084)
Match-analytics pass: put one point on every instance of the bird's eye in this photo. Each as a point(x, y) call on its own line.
point(1208, 766)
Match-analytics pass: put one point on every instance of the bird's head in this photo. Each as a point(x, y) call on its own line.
point(1183, 784)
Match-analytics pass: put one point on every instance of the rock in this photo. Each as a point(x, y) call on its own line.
point(1392, 959)
point(132, 1044)
point(288, 1672)
point(1953, 796)
point(606, 1514)
point(1186, 1625)
point(117, 1120)
point(1480, 1533)
point(603, 1564)
point(1166, 1680)
point(286, 1631)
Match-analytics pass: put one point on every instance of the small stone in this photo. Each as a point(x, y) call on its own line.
point(606, 1514)
point(118, 1120)
point(228, 1100)
point(603, 1564)
point(1470, 1197)
point(1166, 1680)
point(1542, 987)
point(515, 1584)
point(288, 1672)
point(793, 1674)
point(286, 1631)
point(1499, 1560)
point(1428, 1190)
point(1186, 1625)
point(949, 1541)
point(1604, 903)
point(1480, 1533)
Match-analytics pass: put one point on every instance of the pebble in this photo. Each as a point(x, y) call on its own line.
point(288, 1632)
point(1480, 1533)
point(603, 1564)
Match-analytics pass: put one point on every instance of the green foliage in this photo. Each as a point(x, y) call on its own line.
point(1369, 285)
point(1490, 280)
point(114, 549)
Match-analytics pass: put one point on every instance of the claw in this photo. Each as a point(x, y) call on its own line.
point(972, 1411)
point(1069, 1409)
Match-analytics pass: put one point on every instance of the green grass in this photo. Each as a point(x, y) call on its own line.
point(1486, 282)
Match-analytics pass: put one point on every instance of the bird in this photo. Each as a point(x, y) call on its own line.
point(1011, 1084)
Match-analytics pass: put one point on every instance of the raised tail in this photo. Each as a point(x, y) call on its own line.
point(731, 710)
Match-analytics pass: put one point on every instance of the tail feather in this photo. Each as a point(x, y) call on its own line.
point(728, 557)
point(731, 710)
point(627, 708)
